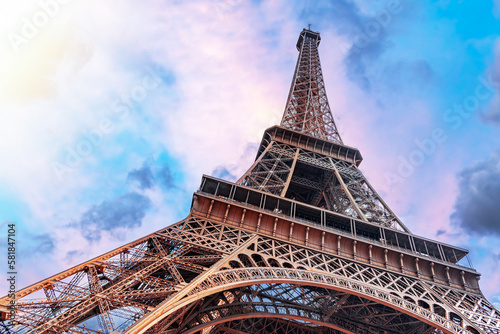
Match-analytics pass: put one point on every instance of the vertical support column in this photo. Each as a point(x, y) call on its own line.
point(307, 236)
point(433, 273)
point(243, 217)
point(448, 278)
point(210, 208)
point(338, 244)
point(370, 254)
point(291, 231)
point(323, 241)
point(258, 222)
point(401, 263)
point(417, 267)
point(386, 258)
point(462, 276)
point(227, 212)
point(354, 243)
point(275, 225)
point(195, 202)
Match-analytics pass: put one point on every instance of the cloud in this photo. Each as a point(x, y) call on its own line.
point(165, 177)
point(232, 171)
point(476, 208)
point(349, 20)
point(485, 258)
point(43, 243)
point(492, 114)
point(222, 172)
point(143, 176)
point(126, 211)
point(345, 16)
point(411, 74)
point(152, 173)
point(358, 61)
point(369, 31)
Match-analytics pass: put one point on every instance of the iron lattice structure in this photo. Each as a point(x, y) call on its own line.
point(307, 109)
point(302, 243)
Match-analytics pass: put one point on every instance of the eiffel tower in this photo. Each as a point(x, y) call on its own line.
point(301, 243)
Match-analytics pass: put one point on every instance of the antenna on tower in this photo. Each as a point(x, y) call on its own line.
point(309, 26)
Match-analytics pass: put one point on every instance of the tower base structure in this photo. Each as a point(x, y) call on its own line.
point(302, 243)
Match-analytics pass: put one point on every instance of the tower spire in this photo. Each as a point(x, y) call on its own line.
point(307, 109)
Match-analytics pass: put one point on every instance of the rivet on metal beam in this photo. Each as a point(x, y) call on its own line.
point(462, 276)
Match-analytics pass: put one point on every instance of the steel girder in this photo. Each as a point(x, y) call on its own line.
point(124, 284)
point(141, 287)
point(321, 181)
point(318, 307)
point(270, 325)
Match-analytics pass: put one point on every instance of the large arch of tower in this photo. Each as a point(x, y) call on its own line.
point(248, 285)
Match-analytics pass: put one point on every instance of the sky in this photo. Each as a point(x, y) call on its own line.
point(111, 111)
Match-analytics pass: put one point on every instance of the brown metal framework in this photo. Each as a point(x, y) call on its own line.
point(301, 244)
point(307, 109)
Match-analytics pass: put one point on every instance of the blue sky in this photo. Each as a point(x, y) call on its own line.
point(111, 112)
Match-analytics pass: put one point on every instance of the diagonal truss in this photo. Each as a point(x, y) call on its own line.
point(124, 284)
point(320, 180)
point(242, 276)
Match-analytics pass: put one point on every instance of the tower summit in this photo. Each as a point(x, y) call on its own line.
point(301, 243)
point(307, 109)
